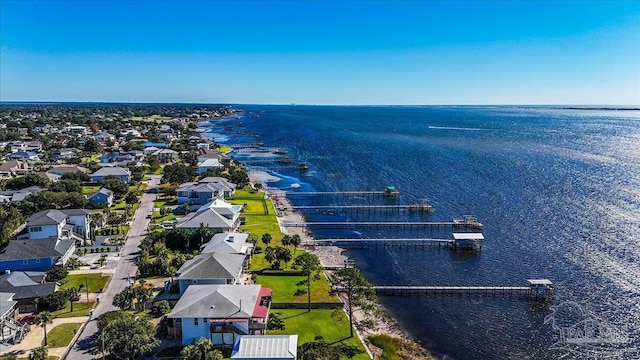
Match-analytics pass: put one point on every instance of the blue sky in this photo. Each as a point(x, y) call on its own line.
point(321, 52)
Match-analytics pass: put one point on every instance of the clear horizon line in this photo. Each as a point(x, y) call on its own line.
point(8, 102)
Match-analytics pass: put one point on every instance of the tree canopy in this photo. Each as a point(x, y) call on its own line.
point(119, 333)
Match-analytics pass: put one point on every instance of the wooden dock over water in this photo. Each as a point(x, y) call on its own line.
point(504, 291)
point(371, 243)
point(538, 289)
point(420, 208)
point(386, 224)
point(359, 194)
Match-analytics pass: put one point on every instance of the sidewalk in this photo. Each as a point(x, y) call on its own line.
point(36, 336)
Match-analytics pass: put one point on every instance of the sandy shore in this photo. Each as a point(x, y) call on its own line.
point(332, 256)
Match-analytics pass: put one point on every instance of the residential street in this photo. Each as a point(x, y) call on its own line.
point(123, 276)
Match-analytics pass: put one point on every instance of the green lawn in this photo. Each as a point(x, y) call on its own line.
point(259, 214)
point(285, 286)
point(95, 280)
point(79, 308)
point(332, 325)
point(61, 335)
point(224, 149)
point(88, 190)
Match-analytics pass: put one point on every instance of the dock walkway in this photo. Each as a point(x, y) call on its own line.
point(385, 224)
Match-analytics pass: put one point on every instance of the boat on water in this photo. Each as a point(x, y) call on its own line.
point(303, 167)
point(280, 151)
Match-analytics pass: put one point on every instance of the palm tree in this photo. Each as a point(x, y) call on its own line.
point(45, 318)
point(39, 353)
point(73, 293)
point(201, 350)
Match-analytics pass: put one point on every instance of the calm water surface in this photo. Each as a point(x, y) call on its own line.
point(558, 191)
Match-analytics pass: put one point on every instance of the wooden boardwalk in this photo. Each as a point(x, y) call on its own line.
point(338, 194)
point(385, 224)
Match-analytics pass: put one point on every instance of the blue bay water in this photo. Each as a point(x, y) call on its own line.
point(558, 191)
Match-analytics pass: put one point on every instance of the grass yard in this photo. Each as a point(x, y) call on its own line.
point(285, 286)
point(260, 215)
point(79, 308)
point(224, 149)
point(88, 190)
point(332, 325)
point(95, 281)
point(61, 335)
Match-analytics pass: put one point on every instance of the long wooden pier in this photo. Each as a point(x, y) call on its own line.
point(421, 208)
point(538, 289)
point(359, 194)
point(505, 291)
point(385, 224)
point(370, 243)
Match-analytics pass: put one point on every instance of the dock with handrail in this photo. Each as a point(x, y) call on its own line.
point(385, 224)
point(371, 243)
point(419, 208)
point(538, 289)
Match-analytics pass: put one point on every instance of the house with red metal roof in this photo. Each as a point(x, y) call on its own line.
point(220, 313)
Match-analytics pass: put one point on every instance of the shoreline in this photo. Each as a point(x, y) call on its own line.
point(333, 256)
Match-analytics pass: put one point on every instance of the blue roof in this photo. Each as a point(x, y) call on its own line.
point(151, 143)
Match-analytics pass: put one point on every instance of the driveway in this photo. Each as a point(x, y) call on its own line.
point(124, 275)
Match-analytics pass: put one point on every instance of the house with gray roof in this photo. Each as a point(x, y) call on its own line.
point(221, 313)
point(26, 287)
point(64, 168)
point(18, 195)
point(212, 269)
point(12, 331)
point(37, 254)
point(217, 215)
point(166, 155)
point(228, 243)
point(205, 190)
point(123, 174)
point(265, 347)
point(71, 224)
point(101, 197)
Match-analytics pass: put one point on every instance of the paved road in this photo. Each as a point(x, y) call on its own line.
point(123, 276)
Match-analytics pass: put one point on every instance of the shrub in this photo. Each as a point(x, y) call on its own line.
point(160, 308)
point(52, 302)
point(57, 274)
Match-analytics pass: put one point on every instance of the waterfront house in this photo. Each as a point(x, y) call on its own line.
point(122, 174)
point(228, 243)
point(211, 269)
point(62, 224)
point(101, 197)
point(26, 287)
point(205, 190)
point(221, 313)
point(217, 215)
point(208, 164)
point(36, 254)
point(265, 347)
